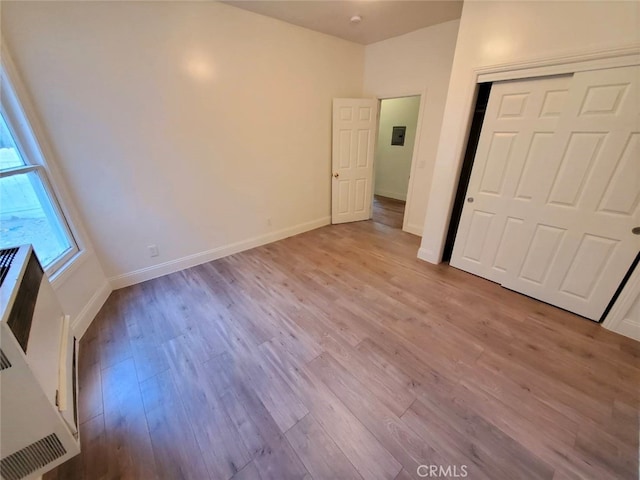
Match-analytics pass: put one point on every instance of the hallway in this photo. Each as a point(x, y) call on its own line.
point(388, 211)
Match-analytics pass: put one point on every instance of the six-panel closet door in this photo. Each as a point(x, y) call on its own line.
point(555, 187)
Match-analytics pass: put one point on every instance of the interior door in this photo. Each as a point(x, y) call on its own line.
point(354, 131)
point(555, 187)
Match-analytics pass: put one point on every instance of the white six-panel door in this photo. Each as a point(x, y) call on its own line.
point(555, 187)
point(354, 128)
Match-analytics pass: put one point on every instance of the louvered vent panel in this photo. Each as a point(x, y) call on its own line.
point(6, 257)
point(4, 361)
point(20, 464)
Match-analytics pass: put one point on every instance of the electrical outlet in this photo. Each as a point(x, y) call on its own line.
point(153, 250)
point(269, 221)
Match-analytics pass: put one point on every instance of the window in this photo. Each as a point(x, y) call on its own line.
point(29, 211)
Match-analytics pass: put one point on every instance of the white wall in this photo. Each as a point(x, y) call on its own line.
point(418, 63)
point(82, 291)
point(393, 162)
point(493, 33)
point(183, 124)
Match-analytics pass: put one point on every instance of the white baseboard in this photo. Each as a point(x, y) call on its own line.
point(90, 310)
point(394, 195)
point(148, 273)
point(428, 256)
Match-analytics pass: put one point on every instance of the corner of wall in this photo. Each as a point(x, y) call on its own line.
point(428, 256)
point(83, 320)
point(413, 229)
point(88, 313)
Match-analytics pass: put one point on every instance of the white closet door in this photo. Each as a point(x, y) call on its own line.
point(554, 191)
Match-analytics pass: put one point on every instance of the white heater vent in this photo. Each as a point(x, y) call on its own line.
point(32, 457)
point(4, 361)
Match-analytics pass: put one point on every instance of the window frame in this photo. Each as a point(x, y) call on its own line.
point(31, 145)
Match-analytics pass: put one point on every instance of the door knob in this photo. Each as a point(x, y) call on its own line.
point(635, 230)
point(470, 199)
point(336, 174)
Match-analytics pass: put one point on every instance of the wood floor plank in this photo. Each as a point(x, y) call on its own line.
point(249, 472)
point(234, 300)
point(490, 450)
point(372, 354)
point(396, 396)
point(413, 363)
point(270, 451)
point(607, 358)
point(506, 392)
point(542, 440)
point(174, 444)
point(337, 344)
point(128, 444)
point(282, 403)
point(320, 455)
point(622, 424)
point(89, 377)
point(551, 391)
point(223, 450)
point(113, 338)
point(388, 211)
point(144, 337)
point(168, 307)
point(364, 451)
point(572, 371)
point(607, 452)
point(404, 475)
point(563, 474)
point(249, 432)
point(371, 297)
point(394, 435)
point(279, 457)
point(320, 312)
point(94, 448)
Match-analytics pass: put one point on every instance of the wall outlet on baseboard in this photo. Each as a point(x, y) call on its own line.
point(153, 250)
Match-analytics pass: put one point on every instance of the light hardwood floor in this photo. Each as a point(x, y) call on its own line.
point(388, 211)
point(336, 354)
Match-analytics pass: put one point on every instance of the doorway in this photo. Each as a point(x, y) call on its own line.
point(397, 126)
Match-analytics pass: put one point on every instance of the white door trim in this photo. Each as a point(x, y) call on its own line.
point(579, 62)
point(432, 248)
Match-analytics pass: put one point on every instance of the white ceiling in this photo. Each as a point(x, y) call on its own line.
point(381, 19)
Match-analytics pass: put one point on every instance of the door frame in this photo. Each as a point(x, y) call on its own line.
point(433, 243)
point(416, 144)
